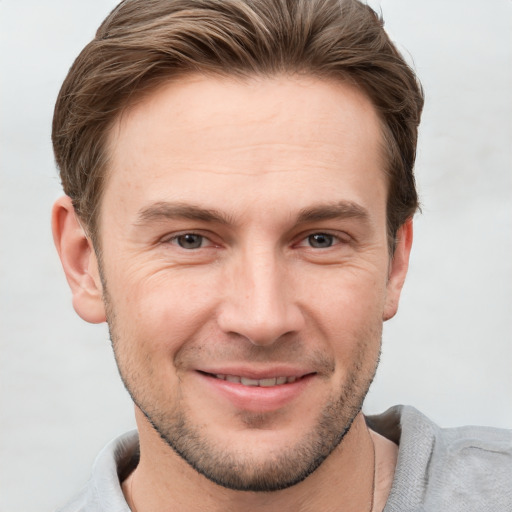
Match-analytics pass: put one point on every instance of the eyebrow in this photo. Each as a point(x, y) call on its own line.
point(162, 211)
point(339, 210)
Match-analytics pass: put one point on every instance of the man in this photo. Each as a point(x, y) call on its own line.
point(239, 202)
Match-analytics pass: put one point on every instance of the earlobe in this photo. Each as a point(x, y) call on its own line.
point(78, 261)
point(398, 269)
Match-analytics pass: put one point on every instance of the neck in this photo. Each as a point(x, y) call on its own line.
point(345, 480)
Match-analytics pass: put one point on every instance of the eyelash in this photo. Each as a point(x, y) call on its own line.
point(334, 240)
point(174, 240)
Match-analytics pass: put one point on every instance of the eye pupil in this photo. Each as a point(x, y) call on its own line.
point(190, 241)
point(320, 240)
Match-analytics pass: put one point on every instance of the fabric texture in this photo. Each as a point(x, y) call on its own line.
point(464, 469)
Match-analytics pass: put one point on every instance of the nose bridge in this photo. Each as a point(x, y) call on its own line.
point(260, 305)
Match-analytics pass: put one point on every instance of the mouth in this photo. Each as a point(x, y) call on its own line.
point(254, 390)
point(263, 383)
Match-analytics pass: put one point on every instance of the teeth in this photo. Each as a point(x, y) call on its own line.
point(265, 383)
point(249, 382)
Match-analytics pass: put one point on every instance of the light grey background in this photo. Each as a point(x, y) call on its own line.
point(449, 351)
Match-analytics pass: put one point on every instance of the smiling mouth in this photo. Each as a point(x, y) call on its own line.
point(264, 383)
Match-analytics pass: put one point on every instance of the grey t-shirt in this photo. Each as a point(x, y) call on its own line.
point(465, 469)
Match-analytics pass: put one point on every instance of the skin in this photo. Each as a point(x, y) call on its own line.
point(243, 232)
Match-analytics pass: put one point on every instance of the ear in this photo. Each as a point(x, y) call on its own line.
point(398, 269)
point(79, 262)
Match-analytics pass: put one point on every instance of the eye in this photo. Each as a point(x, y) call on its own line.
point(321, 240)
point(190, 241)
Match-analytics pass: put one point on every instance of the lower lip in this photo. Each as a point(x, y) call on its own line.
point(257, 398)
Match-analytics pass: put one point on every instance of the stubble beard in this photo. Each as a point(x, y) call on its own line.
point(237, 471)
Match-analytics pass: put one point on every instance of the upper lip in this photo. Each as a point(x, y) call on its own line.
point(257, 373)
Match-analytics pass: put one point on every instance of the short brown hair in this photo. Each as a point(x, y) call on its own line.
point(142, 43)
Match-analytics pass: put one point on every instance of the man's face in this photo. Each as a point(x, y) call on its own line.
point(246, 271)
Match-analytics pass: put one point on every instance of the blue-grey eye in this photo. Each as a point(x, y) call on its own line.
point(320, 240)
point(190, 241)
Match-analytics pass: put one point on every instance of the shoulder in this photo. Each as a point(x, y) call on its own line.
point(472, 465)
point(465, 468)
point(103, 491)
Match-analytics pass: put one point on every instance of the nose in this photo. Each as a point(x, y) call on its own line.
point(259, 302)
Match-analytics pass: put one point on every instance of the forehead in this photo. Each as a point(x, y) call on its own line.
point(213, 104)
point(199, 137)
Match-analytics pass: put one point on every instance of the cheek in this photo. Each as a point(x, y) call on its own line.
point(349, 315)
point(351, 296)
point(159, 312)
